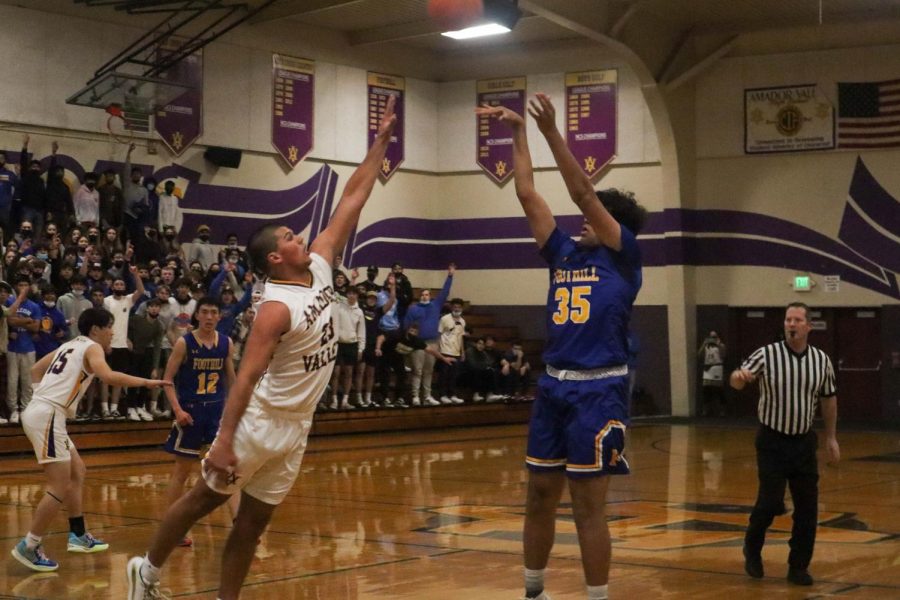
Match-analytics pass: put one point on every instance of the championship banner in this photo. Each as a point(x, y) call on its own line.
point(591, 108)
point(793, 118)
point(180, 123)
point(382, 87)
point(495, 150)
point(293, 81)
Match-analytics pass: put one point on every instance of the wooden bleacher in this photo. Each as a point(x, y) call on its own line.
point(129, 434)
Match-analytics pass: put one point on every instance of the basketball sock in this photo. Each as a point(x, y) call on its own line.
point(76, 525)
point(598, 592)
point(149, 573)
point(534, 582)
point(32, 541)
point(368, 397)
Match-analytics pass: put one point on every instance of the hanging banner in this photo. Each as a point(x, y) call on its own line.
point(293, 81)
point(591, 109)
point(793, 118)
point(495, 150)
point(382, 87)
point(180, 122)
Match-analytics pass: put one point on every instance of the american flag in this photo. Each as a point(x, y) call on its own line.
point(869, 114)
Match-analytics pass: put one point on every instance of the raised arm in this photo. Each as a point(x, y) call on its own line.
point(580, 189)
point(332, 240)
point(538, 213)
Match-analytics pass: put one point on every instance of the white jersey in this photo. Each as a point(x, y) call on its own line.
point(304, 358)
point(66, 380)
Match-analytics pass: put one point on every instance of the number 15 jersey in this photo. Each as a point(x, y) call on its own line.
point(66, 380)
point(592, 290)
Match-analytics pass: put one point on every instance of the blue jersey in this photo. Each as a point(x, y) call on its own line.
point(201, 377)
point(589, 301)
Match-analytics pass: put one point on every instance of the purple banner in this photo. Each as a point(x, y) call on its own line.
point(495, 151)
point(591, 118)
point(381, 87)
point(293, 88)
point(180, 123)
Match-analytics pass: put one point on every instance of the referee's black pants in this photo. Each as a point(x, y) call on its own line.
point(786, 460)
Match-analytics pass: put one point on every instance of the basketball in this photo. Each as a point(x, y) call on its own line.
point(453, 15)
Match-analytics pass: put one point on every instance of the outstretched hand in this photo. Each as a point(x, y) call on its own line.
point(541, 109)
point(388, 119)
point(501, 113)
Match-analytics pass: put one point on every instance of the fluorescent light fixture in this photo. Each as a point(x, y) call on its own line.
point(477, 31)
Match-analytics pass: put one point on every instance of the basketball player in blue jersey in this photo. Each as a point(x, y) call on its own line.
point(269, 411)
point(201, 367)
point(577, 428)
point(61, 378)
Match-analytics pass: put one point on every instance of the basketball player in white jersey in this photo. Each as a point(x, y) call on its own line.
point(60, 380)
point(269, 410)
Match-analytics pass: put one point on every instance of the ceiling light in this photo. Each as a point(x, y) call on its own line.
point(477, 31)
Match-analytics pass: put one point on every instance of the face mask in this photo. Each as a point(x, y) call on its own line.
point(204, 237)
point(424, 302)
point(170, 236)
point(232, 244)
point(151, 187)
point(90, 185)
point(93, 237)
point(49, 304)
point(26, 233)
point(118, 293)
point(233, 259)
point(42, 255)
point(78, 293)
point(119, 264)
point(457, 313)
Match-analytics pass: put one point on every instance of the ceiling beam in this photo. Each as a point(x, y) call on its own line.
point(701, 65)
point(616, 30)
point(887, 14)
point(292, 8)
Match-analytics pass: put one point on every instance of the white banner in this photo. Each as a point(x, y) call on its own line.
point(794, 118)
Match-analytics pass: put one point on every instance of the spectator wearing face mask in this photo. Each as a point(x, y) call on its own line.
point(9, 182)
point(73, 304)
point(20, 352)
point(150, 217)
point(33, 196)
point(87, 202)
point(59, 205)
point(170, 214)
point(453, 329)
point(53, 329)
point(201, 250)
point(112, 202)
point(136, 196)
point(24, 237)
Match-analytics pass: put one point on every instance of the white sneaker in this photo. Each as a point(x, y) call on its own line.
point(494, 398)
point(3, 421)
point(446, 400)
point(429, 401)
point(359, 401)
point(476, 397)
point(14, 417)
point(456, 400)
point(416, 401)
point(138, 589)
point(345, 405)
point(541, 596)
point(334, 403)
point(143, 414)
point(133, 415)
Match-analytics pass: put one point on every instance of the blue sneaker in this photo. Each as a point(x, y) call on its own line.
point(86, 543)
point(35, 559)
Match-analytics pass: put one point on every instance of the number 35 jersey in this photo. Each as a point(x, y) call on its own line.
point(303, 360)
point(589, 302)
point(66, 380)
point(201, 377)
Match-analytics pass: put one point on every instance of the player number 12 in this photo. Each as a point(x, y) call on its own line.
point(572, 305)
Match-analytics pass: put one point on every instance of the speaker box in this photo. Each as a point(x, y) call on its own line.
point(223, 157)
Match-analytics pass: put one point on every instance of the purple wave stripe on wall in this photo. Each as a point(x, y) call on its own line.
point(871, 219)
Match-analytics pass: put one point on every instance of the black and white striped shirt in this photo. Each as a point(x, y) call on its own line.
point(790, 385)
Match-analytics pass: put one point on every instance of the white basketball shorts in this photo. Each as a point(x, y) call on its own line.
point(45, 425)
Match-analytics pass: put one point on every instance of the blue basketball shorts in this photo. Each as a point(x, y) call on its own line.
point(190, 439)
point(579, 426)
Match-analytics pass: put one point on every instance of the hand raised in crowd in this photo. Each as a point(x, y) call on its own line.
point(501, 113)
point(54, 147)
point(25, 139)
point(354, 275)
point(541, 109)
point(451, 269)
point(391, 281)
point(389, 119)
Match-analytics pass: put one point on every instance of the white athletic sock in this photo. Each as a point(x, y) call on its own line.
point(149, 573)
point(346, 398)
point(113, 408)
point(598, 592)
point(104, 406)
point(534, 582)
point(32, 541)
point(368, 396)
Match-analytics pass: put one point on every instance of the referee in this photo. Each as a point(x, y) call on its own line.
point(793, 377)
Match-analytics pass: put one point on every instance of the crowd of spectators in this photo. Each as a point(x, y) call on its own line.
point(114, 243)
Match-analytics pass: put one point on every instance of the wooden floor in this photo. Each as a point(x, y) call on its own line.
point(438, 515)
